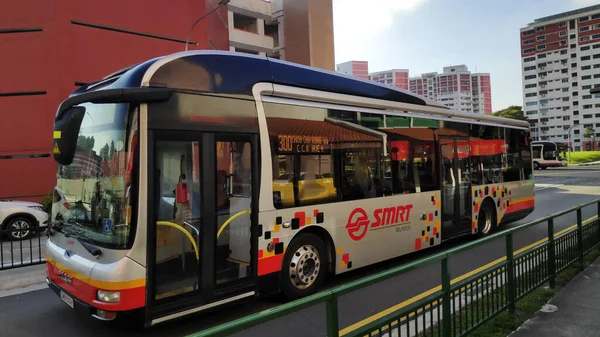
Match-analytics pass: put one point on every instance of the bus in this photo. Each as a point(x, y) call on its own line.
point(548, 154)
point(208, 178)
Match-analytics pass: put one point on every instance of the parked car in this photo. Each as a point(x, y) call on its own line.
point(22, 215)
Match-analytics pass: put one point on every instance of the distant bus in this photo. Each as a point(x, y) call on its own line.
point(548, 154)
point(209, 177)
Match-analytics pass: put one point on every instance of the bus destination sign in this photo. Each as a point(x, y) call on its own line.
point(302, 144)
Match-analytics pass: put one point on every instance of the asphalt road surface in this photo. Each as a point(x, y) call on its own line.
point(42, 313)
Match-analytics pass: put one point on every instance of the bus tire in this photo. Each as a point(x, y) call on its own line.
point(536, 165)
point(304, 266)
point(486, 219)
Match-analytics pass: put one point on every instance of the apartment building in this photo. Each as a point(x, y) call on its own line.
point(560, 56)
point(457, 88)
point(299, 31)
point(354, 68)
point(395, 77)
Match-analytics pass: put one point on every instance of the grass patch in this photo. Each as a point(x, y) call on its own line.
point(584, 157)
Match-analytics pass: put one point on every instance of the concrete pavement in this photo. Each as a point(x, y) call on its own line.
point(573, 311)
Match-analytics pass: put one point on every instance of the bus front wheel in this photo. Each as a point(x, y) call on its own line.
point(304, 266)
point(536, 165)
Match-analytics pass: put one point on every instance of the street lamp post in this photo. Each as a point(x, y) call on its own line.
point(221, 4)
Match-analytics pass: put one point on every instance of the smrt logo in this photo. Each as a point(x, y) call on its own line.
point(358, 221)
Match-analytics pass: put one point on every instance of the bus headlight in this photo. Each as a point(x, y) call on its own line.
point(108, 296)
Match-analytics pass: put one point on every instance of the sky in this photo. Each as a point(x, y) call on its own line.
point(427, 35)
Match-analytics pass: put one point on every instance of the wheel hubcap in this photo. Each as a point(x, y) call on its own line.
point(487, 226)
point(304, 267)
point(20, 225)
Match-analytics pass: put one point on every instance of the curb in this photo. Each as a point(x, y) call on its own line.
point(23, 279)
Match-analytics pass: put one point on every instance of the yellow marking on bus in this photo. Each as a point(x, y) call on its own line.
point(104, 285)
point(424, 294)
point(57, 134)
point(339, 250)
point(56, 150)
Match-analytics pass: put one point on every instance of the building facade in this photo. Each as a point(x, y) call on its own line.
point(263, 27)
point(396, 77)
point(49, 48)
point(560, 57)
point(354, 68)
point(456, 88)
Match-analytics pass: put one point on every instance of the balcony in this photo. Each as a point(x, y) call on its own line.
point(249, 38)
point(260, 6)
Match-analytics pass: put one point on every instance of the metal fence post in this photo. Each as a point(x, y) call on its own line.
point(446, 305)
point(551, 258)
point(510, 282)
point(332, 317)
point(580, 235)
point(598, 223)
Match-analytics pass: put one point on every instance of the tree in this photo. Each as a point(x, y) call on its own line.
point(104, 152)
point(513, 112)
point(589, 132)
point(111, 152)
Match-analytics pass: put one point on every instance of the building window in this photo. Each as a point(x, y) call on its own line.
point(584, 18)
point(586, 77)
point(529, 59)
point(584, 28)
point(528, 32)
point(585, 58)
point(530, 77)
point(562, 33)
point(585, 48)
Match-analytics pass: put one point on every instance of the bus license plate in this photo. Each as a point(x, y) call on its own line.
point(67, 299)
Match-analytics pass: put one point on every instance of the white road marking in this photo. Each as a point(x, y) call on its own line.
point(541, 187)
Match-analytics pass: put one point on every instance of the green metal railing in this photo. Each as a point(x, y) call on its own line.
point(454, 308)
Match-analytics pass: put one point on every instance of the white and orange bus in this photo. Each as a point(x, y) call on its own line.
point(205, 177)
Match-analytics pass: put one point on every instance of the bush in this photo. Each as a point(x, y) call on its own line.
point(47, 203)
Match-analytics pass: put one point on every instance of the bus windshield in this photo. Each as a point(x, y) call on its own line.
point(97, 184)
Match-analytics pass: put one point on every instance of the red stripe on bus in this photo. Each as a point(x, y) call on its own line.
point(521, 205)
point(270, 265)
point(132, 298)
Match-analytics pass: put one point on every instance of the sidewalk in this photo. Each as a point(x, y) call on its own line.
point(20, 280)
point(574, 310)
point(587, 164)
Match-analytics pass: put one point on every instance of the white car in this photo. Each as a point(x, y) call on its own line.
point(22, 215)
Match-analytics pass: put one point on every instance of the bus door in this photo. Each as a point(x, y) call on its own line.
point(456, 186)
point(200, 253)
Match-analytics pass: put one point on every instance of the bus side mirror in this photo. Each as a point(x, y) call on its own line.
point(66, 131)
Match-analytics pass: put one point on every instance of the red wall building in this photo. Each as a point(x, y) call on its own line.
point(51, 47)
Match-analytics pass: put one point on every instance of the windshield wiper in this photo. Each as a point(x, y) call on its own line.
point(95, 251)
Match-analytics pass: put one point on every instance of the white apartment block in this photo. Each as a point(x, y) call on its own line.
point(560, 57)
point(457, 88)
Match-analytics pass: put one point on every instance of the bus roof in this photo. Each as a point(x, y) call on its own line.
point(225, 72)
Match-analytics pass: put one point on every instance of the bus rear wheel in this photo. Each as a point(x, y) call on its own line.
point(536, 165)
point(304, 266)
point(486, 219)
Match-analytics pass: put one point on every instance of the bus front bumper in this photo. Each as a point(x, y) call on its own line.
point(79, 306)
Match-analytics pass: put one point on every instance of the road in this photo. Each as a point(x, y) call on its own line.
point(42, 313)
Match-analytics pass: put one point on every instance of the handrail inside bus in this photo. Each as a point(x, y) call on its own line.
point(229, 221)
point(189, 236)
